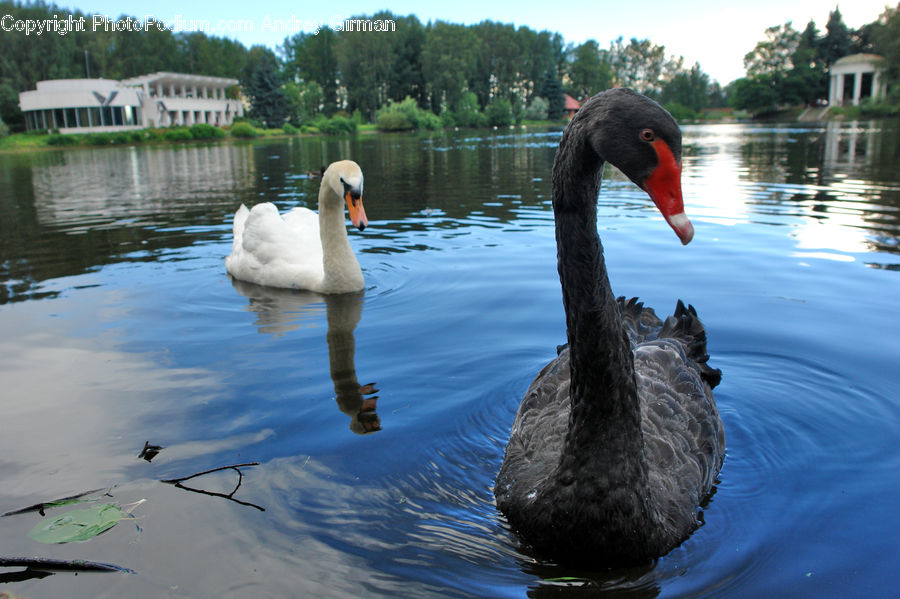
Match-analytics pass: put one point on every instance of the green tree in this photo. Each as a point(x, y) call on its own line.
point(775, 53)
point(588, 72)
point(406, 78)
point(364, 65)
point(497, 62)
point(268, 101)
point(539, 52)
point(886, 42)
point(552, 89)
point(499, 113)
point(688, 88)
point(448, 59)
point(808, 79)
point(467, 112)
point(537, 109)
point(756, 94)
point(313, 57)
point(641, 65)
point(837, 42)
point(304, 100)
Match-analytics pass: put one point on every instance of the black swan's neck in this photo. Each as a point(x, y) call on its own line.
point(605, 419)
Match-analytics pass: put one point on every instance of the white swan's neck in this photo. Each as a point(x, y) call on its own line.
point(342, 271)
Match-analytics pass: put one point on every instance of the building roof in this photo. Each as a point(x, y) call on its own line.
point(167, 78)
point(571, 103)
point(858, 59)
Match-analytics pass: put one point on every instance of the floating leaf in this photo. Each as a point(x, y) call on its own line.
point(77, 525)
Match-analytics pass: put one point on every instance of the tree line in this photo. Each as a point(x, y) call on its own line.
point(439, 65)
point(465, 74)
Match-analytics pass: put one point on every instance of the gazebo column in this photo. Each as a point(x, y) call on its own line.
point(857, 87)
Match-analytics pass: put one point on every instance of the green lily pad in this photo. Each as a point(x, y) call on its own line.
point(77, 525)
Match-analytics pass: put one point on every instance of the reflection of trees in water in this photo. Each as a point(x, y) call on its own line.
point(65, 213)
point(99, 187)
point(282, 310)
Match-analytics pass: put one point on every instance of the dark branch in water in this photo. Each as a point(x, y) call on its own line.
point(40, 507)
point(230, 496)
point(41, 567)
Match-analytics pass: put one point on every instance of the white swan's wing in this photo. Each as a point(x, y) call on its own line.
point(274, 251)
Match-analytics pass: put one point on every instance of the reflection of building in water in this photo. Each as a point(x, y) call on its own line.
point(848, 144)
point(844, 212)
point(156, 100)
point(108, 184)
point(855, 78)
point(280, 311)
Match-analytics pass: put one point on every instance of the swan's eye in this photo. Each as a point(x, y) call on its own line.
point(648, 135)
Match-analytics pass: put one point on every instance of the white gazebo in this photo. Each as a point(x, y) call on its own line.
point(855, 78)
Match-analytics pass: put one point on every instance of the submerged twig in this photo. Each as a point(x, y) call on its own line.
point(57, 565)
point(230, 496)
point(40, 507)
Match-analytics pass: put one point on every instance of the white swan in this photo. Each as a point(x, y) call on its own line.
point(302, 250)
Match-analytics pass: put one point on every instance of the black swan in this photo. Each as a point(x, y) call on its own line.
point(618, 440)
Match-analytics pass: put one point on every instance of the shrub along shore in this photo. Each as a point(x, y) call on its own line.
point(395, 116)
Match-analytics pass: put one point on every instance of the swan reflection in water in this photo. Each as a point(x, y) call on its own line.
point(277, 313)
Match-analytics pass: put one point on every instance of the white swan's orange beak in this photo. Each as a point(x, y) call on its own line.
point(664, 187)
point(357, 212)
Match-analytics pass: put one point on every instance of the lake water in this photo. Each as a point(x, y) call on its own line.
point(119, 325)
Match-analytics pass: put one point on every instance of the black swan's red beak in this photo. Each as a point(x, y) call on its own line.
point(664, 187)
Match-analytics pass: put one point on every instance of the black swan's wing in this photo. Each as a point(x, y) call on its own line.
point(684, 326)
point(684, 441)
point(536, 439)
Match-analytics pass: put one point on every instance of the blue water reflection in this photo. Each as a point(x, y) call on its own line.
point(121, 326)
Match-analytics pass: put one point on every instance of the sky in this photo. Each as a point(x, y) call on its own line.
point(714, 33)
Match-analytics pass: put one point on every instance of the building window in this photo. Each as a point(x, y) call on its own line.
point(83, 118)
point(71, 118)
point(94, 115)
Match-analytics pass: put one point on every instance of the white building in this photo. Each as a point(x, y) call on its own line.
point(157, 100)
point(856, 77)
